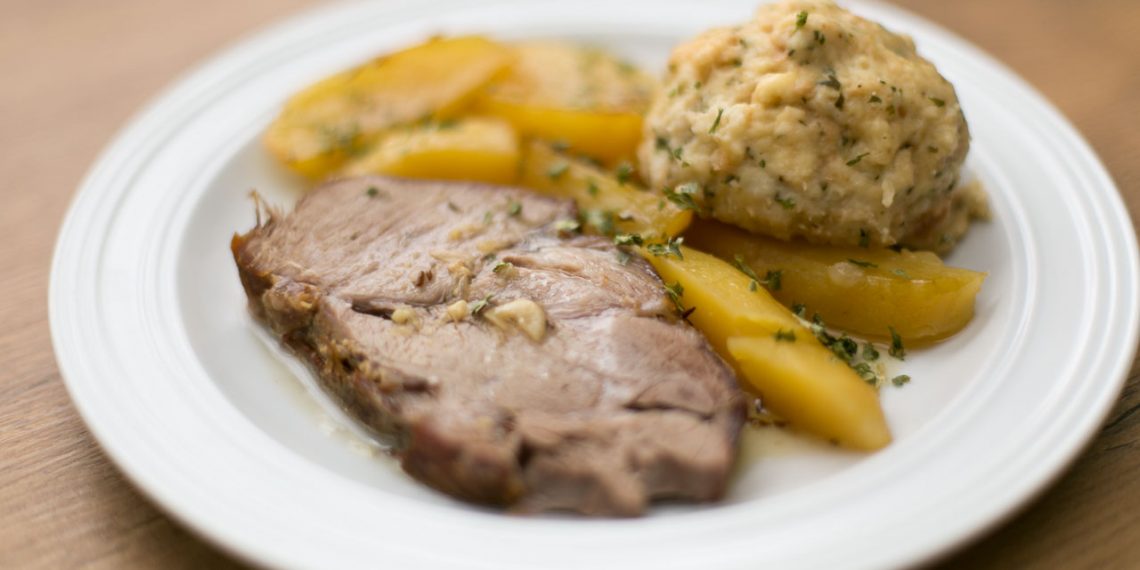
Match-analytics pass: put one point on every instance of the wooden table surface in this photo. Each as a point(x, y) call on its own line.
point(74, 71)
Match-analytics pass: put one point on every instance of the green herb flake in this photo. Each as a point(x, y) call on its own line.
point(372, 191)
point(623, 172)
point(671, 247)
point(502, 266)
point(832, 82)
point(901, 273)
point(786, 202)
point(514, 208)
point(900, 380)
point(799, 309)
point(785, 335)
point(488, 217)
point(628, 239)
point(875, 99)
point(849, 346)
point(716, 122)
point(478, 306)
point(738, 260)
point(937, 102)
point(869, 352)
point(601, 220)
point(773, 280)
point(565, 227)
point(591, 187)
point(897, 350)
point(801, 19)
point(683, 196)
point(865, 372)
point(661, 143)
point(557, 170)
point(675, 291)
point(861, 263)
point(623, 257)
point(856, 160)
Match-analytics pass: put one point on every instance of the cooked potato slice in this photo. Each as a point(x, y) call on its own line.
point(578, 96)
point(479, 149)
point(608, 203)
point(774, 355)
point(863, 291)
point(334, 119)
point(804, 383)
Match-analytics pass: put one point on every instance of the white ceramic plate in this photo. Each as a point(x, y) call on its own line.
point(149, 327)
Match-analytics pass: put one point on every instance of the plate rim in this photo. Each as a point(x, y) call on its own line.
point(71, 370)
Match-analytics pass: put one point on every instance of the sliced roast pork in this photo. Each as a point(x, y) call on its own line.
point(507, 359)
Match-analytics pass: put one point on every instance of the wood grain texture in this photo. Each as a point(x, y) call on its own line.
point(75, 70)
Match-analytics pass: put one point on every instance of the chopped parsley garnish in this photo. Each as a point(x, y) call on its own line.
point(488, 217)
point(514, 208)
point(901, 273)
point(900, 380)
point(502, 266)
point(682, 196)
point(861, 263)
point(875, 99)
point(623, 257)
point(716, 122)
point(772, 280)
point(897, 350)
point(372, 191)
point(937, 102)
point(801, 19)
point(848, 345)
point(567, 226)
point(675, 291)
point(785, 335)
point(856, 160)
point(557, 170)
point(865, 372)
point(623, 172)
point(869, 352)
point(628, 239)
point(738, 260)
point(601, 220)
point(592, 188)
point(832, 82)
point(677, 153)
point(661, 143)
point(671, 247)
point(478, 306)
point(786, 202)
point(799, 309)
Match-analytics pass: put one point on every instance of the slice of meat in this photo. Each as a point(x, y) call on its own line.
point(506, 363)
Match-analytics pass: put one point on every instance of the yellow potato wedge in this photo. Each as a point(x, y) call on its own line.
point(774, 355)
point(799, 382)
point(859, 290)
point(478, 149)
point(608, 204)
point(334, 119)
point(580, 97)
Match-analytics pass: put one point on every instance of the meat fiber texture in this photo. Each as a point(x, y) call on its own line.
point(415, 302)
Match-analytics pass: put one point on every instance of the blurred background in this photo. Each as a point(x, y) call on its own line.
point(75, 70)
